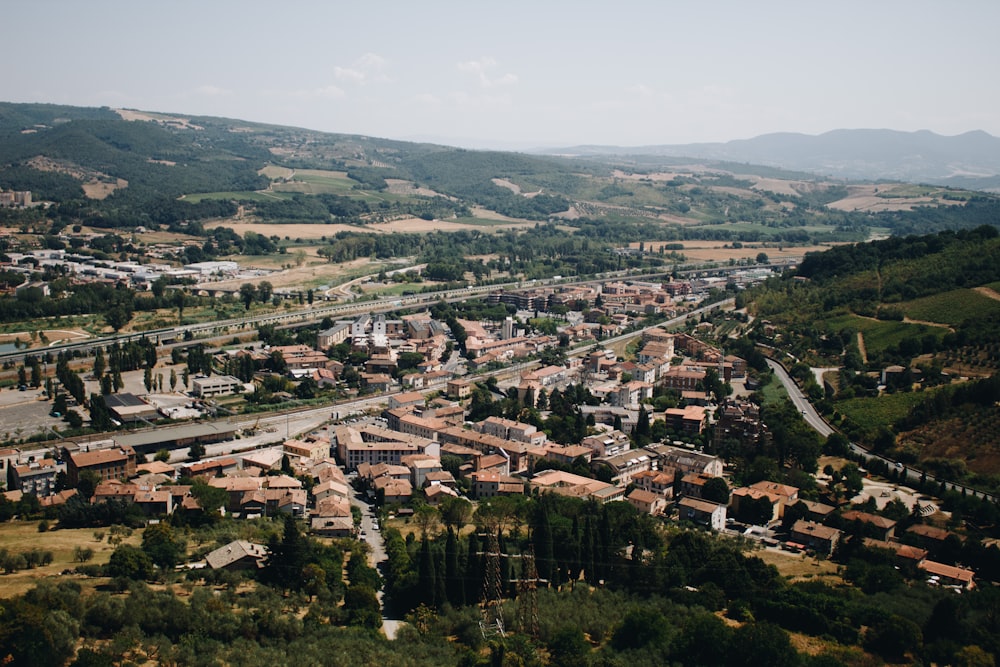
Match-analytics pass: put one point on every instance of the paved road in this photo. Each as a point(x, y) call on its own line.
point(376, 557)
point(816, 421)
point(800, 401)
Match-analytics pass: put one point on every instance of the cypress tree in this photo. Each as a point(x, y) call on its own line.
point(453, 579)
point(426, 574)
point(473, 571)
point(544, 548)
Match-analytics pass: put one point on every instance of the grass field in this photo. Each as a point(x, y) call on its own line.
point(885, 409)
point(774, 393)
point(18, 537)
point(952, 307)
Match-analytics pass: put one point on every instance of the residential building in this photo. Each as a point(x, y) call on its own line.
point(113, 463)
point(702, 512)
point(816, 537)
point(237, 555)
point(36, 477)
point(647, 502)
point(873, 525)
point(948, 575)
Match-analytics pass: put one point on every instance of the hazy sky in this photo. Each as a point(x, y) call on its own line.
point(520, 74)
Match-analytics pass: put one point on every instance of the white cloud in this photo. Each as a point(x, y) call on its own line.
point(481, 69)
point(368, 68)
point(349, 74)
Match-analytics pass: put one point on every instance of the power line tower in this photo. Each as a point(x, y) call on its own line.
point(491, 624)
point(527, 594)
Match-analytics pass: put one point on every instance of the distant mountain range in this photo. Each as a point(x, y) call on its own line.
point(970, 160)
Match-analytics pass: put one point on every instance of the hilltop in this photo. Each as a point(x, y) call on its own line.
point(121, 168)
point(969, 160)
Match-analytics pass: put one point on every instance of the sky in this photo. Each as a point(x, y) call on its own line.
point(518, 74)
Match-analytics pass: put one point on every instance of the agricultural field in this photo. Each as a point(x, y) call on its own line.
point(881, 410)
point(951, 308)
point(880, 335)
point(245, 195)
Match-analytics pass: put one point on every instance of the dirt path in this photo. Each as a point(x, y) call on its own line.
point(907, 320)
point(861, 348)
point(988, 292)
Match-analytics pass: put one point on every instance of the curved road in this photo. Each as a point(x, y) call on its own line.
point(816, 421)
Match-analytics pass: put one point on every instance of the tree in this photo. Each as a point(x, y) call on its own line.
point(129, 562)
point(264, 291)
point(99, 363)
point(455, 512)
point(161, 545)
point(247, 294)
point(716, 490)
point(196, 451)
point(362, 608)
point(87, 483)
point(100, 415)
point(117, 317)
point(173, 379)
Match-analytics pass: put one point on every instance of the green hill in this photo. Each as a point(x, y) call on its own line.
point(924, 304)
point(115, 168)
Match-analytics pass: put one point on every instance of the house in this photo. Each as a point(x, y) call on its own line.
point(212, 468)
point(460, 389)
point(607, 444)
point(490, 484)
point(740, 496)
point(948, 575)
point(113, 463)
point(904, 553)
point(693, 484)
point(690, 419)
point(685, 460)
point(393, 490)
point(817, 512)
point(313, 449)
point(263, 460)
point(568, 484)
point(625, 466)
point(332, 526)
point(647, 502)
point(566, 454)
point(237, 555)
point(657, 481)
point(929, 537)
point(816, 537)
point(702, 512)
point(871, 525)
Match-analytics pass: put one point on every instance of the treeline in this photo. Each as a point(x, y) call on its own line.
point(911, 266)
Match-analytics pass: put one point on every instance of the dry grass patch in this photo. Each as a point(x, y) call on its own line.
point(293, 230)
point(801, 567)
point(23, 536)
